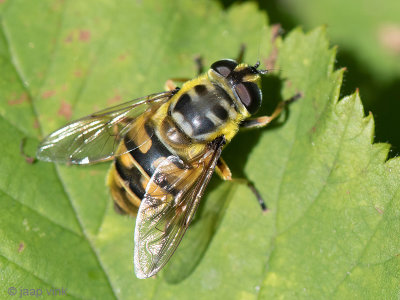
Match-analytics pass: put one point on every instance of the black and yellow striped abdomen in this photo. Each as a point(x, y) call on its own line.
point(131, 171)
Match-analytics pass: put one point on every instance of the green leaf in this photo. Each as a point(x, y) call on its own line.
point(333, 222)
point(368, 37)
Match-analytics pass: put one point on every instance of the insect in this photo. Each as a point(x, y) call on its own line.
point(165, 148)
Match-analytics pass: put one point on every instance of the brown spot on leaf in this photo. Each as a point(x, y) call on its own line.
point(19, 100)
point(48, 94)
point(65, 110)
point(116, 98)
point(69, 38)
point(122, 57)
point(30, 160)
point(36, 123)
point(271, 60)
point(380, 211)
point(78, 73)
point(2, 1)
point(21, 246)
point(84, 35)
point(276, 31)
point(57, 5)
point(389, 37)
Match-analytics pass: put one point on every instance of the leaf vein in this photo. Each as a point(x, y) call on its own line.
point(92, 247)
point(42, 215)
point(357, 263)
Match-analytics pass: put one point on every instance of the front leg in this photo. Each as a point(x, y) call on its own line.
point(265, 120)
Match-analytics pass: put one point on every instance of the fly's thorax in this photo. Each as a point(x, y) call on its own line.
point(203, 110)
point(172, 136)
point(177, 141)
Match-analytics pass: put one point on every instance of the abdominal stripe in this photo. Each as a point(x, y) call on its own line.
point(133, 176)
point(147, 161)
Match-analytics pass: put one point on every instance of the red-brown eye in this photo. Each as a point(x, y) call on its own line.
point(224, 66)
point(250, 95)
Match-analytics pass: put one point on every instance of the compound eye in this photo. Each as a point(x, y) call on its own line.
point(250, 95)
point(224, 66)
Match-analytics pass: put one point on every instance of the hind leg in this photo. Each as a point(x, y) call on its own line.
point(225, 173)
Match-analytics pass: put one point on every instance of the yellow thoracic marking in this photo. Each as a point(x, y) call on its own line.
point(252, 78)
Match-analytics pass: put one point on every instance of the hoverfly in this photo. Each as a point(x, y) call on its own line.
point(165, 148)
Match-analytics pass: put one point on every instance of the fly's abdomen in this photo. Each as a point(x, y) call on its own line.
point(131, 171)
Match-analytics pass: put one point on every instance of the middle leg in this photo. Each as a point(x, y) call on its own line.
point(265, 120)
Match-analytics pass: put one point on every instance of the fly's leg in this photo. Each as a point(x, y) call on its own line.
point(28, 159)
point(242, 50)
point(225, 173)
point(265, 120)
point(223, 170)
point(199, 64)
point(170, 84)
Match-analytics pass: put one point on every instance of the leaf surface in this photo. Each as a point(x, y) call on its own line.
point(333, 201)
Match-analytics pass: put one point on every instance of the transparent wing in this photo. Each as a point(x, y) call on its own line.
point(171, 199)
point(95, 137)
